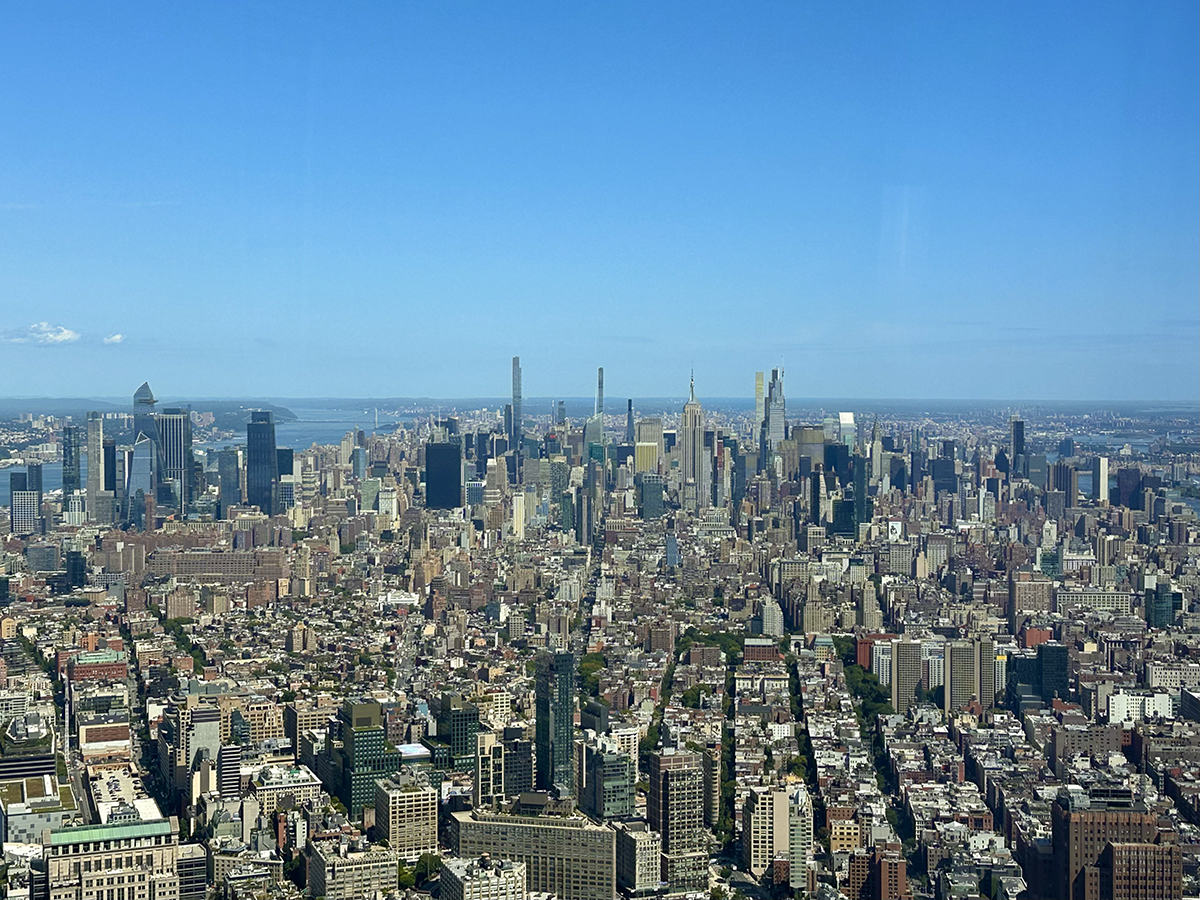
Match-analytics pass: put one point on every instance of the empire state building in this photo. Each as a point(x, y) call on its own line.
point(697, 466)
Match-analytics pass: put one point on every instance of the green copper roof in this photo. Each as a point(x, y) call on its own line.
point(87, 833)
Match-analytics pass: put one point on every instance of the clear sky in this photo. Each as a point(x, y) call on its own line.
point(392, 199)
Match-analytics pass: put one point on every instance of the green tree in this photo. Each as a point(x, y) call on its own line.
point(405, 878)
point(428, 865)
point(844, 645)
point(590, 668)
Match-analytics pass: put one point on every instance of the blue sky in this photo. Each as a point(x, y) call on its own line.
point(891, 200)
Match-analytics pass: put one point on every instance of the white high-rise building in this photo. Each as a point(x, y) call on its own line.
point(406, 811)
point(518, 513)
point(95, 462)
point(1100, 479)
point(765, 828)
point(772, 618)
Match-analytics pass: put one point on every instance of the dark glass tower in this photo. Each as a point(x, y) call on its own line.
point(1054, 671)
point(1017, 439)
point(262, 461)
point(229, 480)
point(443, 476)
point(554, 693)
point(71, 471)
point(860, 492)
point(33, 472)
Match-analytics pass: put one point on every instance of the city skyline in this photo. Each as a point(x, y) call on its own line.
point(599, 452)
point(903, 200)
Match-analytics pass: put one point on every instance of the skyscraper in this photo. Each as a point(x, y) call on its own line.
point(760, 408)
point(985, 671)
point(629, 421)
point(143, 412)
point(33, 480)
point(607, 777)
point(800, 836)
point(1017, 445)
point(961, 683)
point(861, 513)
point(774, 429)
point(697, 465)
point(141, 478)
point(262, 462)
point(600, 391)
point(906, 674)
point(71, 471)
point(359, 754)
point(24, 508)
point(554, 695)
point(488, 789)
point(765, 832)
point(675, 809)
point(175, 454)
point(443, 475)
point(1100, 479)
point(516, 433)
point(229, 479)
point(95, 465)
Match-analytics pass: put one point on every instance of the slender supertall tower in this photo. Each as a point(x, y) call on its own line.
point(760, 406)
point(629, 421)
point(515, 437)
point(776, 413)
point(600, 391)
point(95, 462)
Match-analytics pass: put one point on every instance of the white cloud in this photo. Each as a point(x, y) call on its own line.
point(114, 339)
point(41, 333)
point(45, 333)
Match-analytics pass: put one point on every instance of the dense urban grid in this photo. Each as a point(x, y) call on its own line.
point(499, 653)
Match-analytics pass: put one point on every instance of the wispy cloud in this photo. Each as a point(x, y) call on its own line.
point(114, 339)
point(14, 205)
point(41, 333)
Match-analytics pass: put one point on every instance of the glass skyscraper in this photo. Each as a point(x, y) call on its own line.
point(71, 453)
point(554, 740)
point(143, 474)
point(443, 475)
point(262, 462)
point(175, 454)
